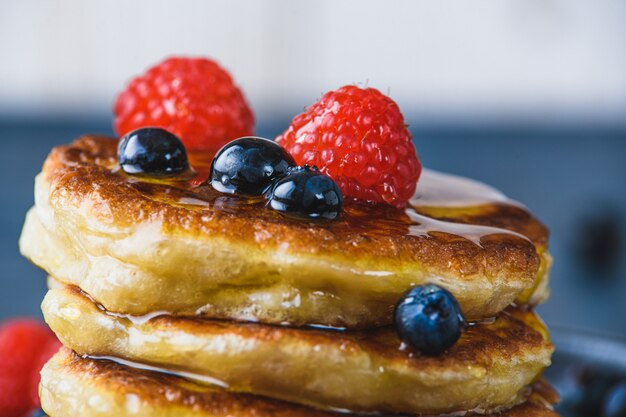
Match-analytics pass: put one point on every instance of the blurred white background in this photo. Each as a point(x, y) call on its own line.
point(481, 61)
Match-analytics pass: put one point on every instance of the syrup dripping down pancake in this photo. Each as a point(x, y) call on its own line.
point(367, 370)
point(73, 386)
point(139, 245)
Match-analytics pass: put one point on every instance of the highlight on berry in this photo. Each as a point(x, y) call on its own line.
point(254, 166)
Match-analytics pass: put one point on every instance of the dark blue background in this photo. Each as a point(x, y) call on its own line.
point(573, 179)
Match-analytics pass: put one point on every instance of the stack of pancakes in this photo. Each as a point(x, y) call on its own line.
point(174, 300)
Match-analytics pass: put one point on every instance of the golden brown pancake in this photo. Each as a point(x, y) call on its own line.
point(365, 371)
point(72, 386)
point(139, 245)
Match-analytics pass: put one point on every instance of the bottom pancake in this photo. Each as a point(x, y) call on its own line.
point(72, 386)
point(368, 371)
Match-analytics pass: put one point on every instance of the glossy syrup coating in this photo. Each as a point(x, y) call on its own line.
point(140, 245)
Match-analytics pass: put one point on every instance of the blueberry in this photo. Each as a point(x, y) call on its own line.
point(428, 318)
point(152, 151)
point(249, 165)
point(37, 413)
point(306, 192)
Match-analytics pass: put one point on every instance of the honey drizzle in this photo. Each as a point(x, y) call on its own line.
point(444, 192)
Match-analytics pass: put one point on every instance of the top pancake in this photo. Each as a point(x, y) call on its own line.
point(139, 245)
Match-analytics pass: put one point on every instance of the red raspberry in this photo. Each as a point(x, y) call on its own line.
point(47, 351)
point(22, 344)
point(358, 137)
point(194, 98)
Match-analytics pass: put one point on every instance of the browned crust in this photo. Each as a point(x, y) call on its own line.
point(161, 390)
point(478, 347)
point(83, 171)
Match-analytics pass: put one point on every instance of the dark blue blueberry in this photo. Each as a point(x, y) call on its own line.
point(152, 151)
point(306, 192)
point(37, 413)
point(249, 165)
point(428, 318)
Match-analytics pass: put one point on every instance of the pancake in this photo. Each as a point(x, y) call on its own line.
point(364, 371)
point(72, 386)
point(139, 245)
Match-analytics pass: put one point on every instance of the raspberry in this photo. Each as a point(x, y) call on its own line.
point(22, 344)
point(358, 137)
point(194, 98)
point(48, 350)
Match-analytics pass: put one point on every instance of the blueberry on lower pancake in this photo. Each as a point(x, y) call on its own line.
point(429, 319)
